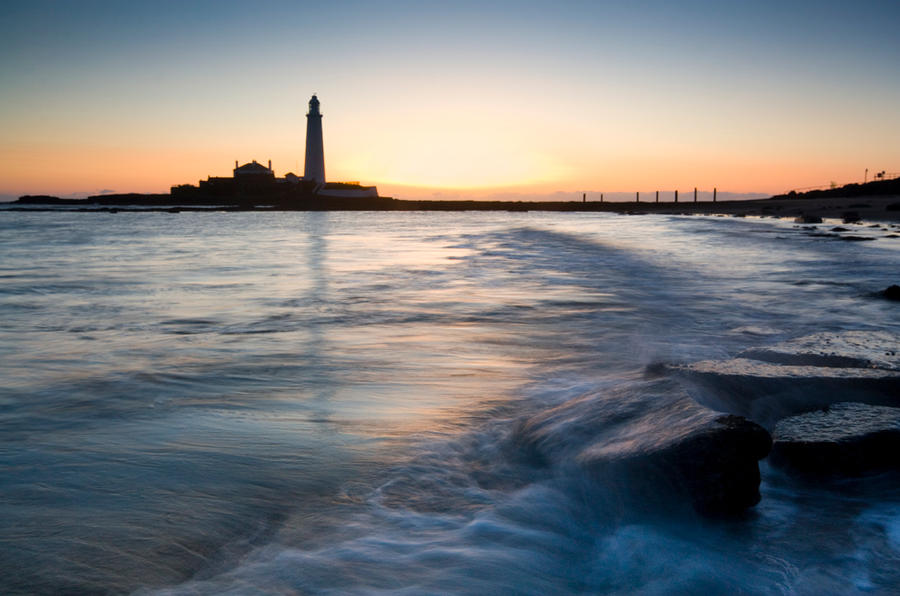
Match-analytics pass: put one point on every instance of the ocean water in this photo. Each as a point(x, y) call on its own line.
point(309, 403)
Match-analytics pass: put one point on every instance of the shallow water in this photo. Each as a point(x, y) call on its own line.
point(324, 402)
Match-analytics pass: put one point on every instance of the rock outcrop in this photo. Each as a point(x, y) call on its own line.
point(803, 374)
point(655, 441)
point(847, 439)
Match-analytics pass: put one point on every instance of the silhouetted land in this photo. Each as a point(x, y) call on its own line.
point(878, 200)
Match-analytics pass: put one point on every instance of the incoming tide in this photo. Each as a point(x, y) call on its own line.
point(326, 403)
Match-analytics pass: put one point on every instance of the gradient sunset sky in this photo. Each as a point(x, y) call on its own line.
point(512, 99)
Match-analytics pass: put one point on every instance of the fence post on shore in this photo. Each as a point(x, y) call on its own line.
point(714, 194)
point(657, 196)
point(676, 196)
point(695, 194)
point(637, 197)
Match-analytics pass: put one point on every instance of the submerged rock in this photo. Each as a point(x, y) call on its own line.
point(847, 438)
point(652, 442)
point(892, 292)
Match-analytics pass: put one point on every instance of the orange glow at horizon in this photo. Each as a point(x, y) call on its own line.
point(405, 170)
point(435, 146)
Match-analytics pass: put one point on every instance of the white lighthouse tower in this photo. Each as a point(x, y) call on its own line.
point(314, 167)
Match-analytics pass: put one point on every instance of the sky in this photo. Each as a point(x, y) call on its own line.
point(451, 99)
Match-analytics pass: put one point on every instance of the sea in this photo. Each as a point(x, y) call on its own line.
point(327, 402)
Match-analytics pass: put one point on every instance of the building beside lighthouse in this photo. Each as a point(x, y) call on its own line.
point(257, 183)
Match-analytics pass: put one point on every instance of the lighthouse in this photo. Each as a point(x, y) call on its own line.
point(314, 167)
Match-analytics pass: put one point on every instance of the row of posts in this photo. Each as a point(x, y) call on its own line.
point(637, 196)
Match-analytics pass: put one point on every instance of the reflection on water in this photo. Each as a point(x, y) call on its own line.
point(323, 401)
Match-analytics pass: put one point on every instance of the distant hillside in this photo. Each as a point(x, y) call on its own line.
point(870, 189)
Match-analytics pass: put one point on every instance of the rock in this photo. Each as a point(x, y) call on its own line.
point(892, 292)
point(769, 383)
point(848, 349)
point(839, 229)
point(808, 219)
point(653, 443)
point(849, 217)
point(848, 439)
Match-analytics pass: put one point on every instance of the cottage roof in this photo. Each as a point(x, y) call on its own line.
point(251, 168)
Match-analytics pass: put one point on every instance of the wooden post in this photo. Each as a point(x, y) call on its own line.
point(584, 197)
point(657, 196)
point(714, 194)
point(695, 194)
point(676, 196)
point(637, 197)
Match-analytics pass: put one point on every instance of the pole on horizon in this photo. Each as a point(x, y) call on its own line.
point(714, 194)
point(695, 194)
point(866, 177)
point(676, 196)
point(584, 197)
point(601, 197)
point(637, 197)
point(657, 196)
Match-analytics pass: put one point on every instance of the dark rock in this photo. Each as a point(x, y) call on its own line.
point(891, 292)
point(808, 219)
point(653, 444)
point(857, 238)
point(848, 439)
point(850, 217)
point(839, 229)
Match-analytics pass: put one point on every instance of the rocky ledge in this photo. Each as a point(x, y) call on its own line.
point(803, 374)
point(661, 442)
point(848, 439)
